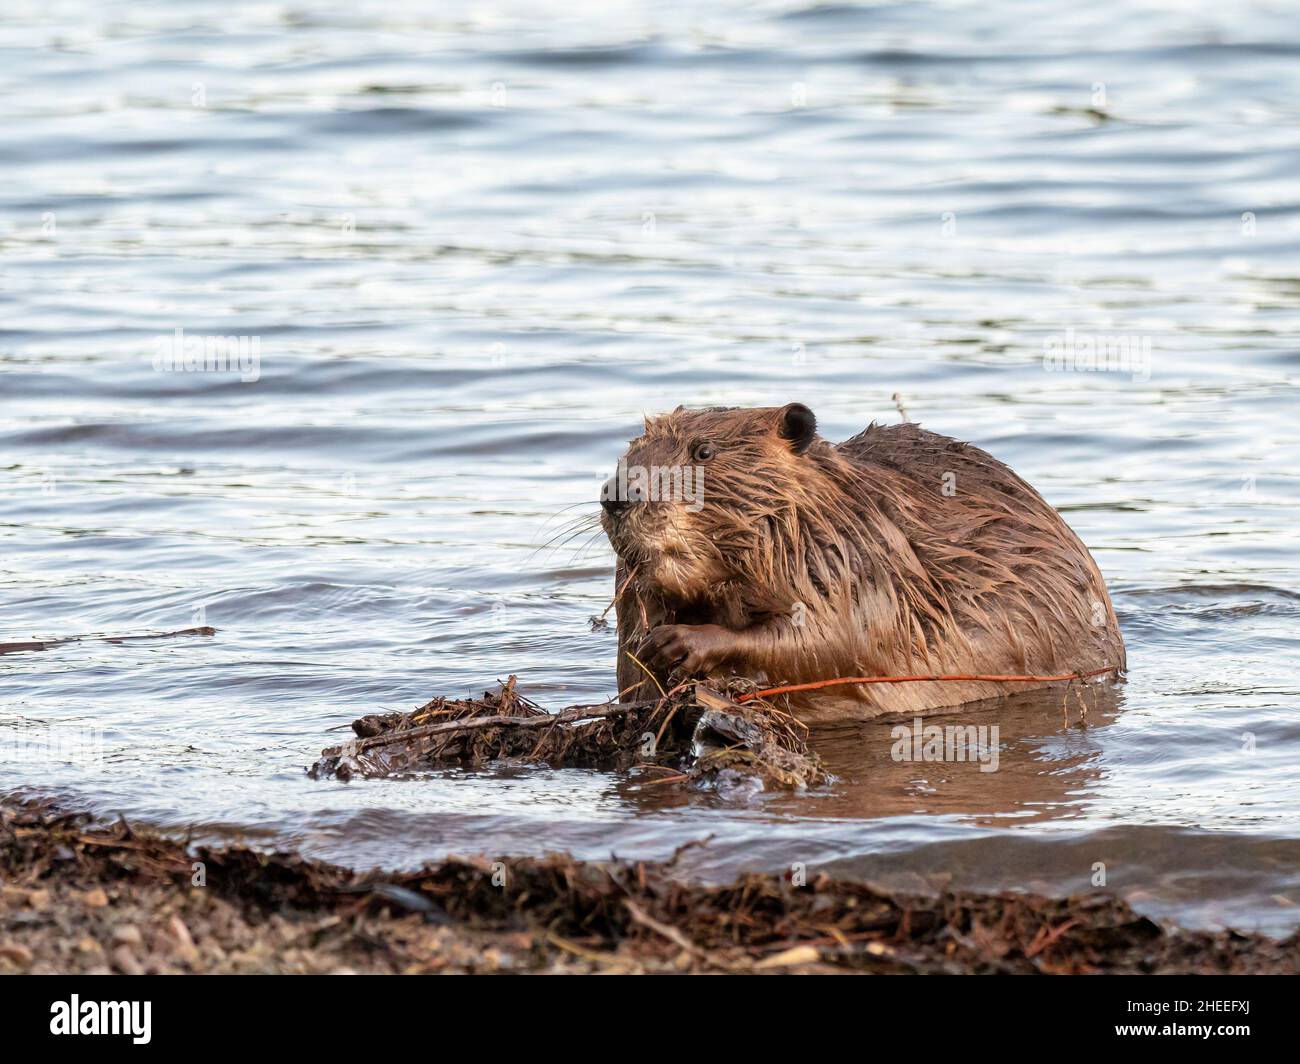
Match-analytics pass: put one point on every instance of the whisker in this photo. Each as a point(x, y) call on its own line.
point(595, 541)
point(565, 509)
point(572, 530)
point(579, 523)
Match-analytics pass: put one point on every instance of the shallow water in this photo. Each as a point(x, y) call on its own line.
point(475, 247)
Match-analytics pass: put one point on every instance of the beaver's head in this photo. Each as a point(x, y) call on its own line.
point(692, 501)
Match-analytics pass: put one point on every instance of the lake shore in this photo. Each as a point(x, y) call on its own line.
point(82, 897)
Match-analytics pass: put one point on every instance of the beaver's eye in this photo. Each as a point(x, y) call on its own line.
point(704, 451)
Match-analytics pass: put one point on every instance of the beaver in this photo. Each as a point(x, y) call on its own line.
point(749, 546)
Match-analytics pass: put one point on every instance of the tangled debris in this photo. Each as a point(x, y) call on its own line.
point(701, 735)
point(80, 898)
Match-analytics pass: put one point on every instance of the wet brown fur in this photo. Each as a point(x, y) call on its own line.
point(898, 551)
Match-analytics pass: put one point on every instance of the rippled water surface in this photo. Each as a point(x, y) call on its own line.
point(475, 243)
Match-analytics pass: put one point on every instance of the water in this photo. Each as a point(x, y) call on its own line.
point(475, 246)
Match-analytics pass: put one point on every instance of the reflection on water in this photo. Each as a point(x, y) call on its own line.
point(474, 248)
point(1046, 764)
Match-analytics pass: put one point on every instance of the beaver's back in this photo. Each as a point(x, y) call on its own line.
point(1011, 588)
point(926, 458)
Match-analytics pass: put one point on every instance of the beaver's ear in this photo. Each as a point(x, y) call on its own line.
point(798, 425)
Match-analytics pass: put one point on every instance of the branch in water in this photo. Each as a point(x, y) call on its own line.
point(45, 644)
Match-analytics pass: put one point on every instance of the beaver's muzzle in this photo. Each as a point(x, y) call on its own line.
point(616, 495)
point(610, 503)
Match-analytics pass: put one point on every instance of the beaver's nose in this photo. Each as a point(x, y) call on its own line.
point(611, 499)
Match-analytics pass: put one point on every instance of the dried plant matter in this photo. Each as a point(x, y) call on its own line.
point(82, 897)
point(700, 732)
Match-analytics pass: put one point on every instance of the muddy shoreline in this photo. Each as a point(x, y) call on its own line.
point(77, 897)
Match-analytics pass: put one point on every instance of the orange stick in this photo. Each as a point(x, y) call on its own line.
point(989, 677)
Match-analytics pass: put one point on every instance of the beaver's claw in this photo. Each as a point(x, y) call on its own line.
point(695, 648)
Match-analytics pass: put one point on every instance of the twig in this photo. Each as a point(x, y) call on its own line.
point(674, 936)
point(45, 644)
point(1044, 939)
point(671, 713)
point(618, 593)
point(542, 720)
point(642, 667)
point(603, 959)
point(665, 779)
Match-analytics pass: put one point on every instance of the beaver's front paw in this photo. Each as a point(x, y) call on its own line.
point(694, 648)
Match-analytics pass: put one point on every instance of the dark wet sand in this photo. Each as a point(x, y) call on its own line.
point(80, 898)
